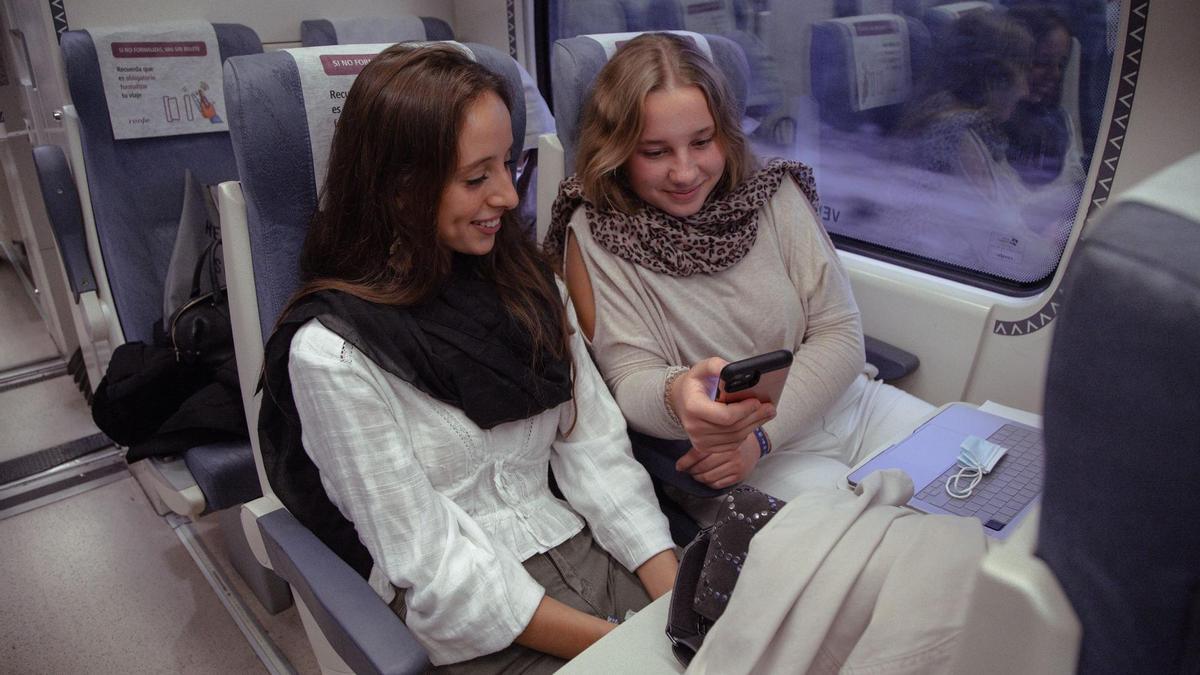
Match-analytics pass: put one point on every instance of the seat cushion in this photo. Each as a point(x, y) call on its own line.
point(225, 473)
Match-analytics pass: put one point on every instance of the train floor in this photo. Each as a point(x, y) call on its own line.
point(93, 580)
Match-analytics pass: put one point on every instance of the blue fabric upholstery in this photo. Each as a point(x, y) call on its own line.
point(576, 61)
point(137, 184)
point(321, 32)
point(274, 160)
point(66, 218)
point(591, 17)
point(362, 629)
point(1120, 522)
point(584, 17)
point(137, 189)
point(225, 473)
point(317, 33)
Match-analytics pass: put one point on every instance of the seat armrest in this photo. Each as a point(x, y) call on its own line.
point(66, 217)
point(893, 363)
point(1017, 601)
point(362, 629)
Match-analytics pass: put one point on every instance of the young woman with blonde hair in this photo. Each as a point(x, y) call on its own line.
point(682, 254)
point(426, 377)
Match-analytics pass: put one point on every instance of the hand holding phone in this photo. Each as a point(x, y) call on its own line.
point(761, 377)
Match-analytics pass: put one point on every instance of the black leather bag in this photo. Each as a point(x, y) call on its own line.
point(709, 568)
point(199, 331)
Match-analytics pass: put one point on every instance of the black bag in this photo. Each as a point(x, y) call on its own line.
point(710, 567)
point(199, 331)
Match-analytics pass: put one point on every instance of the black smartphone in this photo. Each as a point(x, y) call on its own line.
point(761, 377)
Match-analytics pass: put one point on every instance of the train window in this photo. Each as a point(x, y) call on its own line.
point(954, 137)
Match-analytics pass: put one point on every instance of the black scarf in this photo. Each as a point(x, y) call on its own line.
point(462, 347)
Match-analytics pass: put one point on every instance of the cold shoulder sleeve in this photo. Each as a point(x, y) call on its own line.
point(633, 345)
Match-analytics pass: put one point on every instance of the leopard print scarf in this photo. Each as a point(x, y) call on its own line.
point(712, 240)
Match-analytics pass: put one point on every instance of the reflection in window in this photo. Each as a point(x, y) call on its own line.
point(957, 132)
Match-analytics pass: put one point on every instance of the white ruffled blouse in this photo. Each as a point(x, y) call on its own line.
point(449, 510)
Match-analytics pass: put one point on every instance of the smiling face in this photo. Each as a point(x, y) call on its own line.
point(678, 159)
point(481, 187)
point(1049, 62)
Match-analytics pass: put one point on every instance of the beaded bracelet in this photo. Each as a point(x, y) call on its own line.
point(673, 373)
point(764, 443)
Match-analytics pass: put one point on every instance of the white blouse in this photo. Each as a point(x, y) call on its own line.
point(449, 510)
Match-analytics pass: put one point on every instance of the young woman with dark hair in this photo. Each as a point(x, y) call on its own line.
point(427, 376)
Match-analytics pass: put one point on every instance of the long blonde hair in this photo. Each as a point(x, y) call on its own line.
point(612, 118)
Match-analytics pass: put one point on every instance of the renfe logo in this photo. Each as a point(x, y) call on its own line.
point(143, 50)
point(345, 64)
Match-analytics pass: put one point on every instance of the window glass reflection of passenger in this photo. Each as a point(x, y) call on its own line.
point(682, 255)
point(981, 214)
point(1042, 142)
point(437, 375)
point(959, 128)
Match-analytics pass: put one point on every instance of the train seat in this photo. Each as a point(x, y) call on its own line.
point(116, 220)
point(281, 156)
point(368, 30)
point(732, 19)
point(372, 29)
point(845, 51)
point(941, 18)
point(863, 7)
point(1112, 565)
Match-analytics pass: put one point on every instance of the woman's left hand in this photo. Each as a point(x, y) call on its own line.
point(721, 469)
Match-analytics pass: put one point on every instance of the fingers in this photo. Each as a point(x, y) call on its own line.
point(721, 470)
point(704, 415)
point(690, 459)
point(708, 463)
point(710, 367)
point(729, 471)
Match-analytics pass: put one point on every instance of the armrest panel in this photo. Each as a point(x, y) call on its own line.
point(363, 630)
point(66, 216)
point(893, 363)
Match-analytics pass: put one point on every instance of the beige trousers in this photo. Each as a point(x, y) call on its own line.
point(577, 573)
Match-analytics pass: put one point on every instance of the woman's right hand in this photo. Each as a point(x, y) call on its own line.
point(713, 426)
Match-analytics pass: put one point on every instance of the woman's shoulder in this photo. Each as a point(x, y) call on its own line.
point(314, 341)
point(794, 200)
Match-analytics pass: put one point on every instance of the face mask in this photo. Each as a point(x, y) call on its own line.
point(977, 458)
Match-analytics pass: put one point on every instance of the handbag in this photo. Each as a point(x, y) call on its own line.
point(200, 332)
point(710, 565)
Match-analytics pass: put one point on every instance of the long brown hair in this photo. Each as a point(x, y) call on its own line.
point(374, 235)
point(611, 123)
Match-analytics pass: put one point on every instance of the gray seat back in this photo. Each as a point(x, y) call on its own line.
point(841, 102)
point(1120, 523)
point(136, 185)
point(364, 30)
point(585, 17)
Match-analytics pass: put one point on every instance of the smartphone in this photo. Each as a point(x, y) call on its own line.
point(761, 377)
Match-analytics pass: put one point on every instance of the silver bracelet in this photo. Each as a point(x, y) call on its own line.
point(673, 374)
